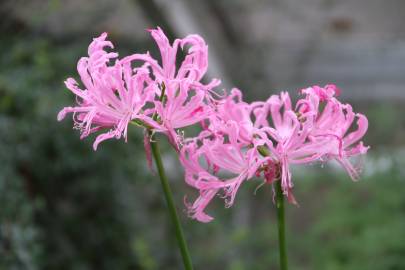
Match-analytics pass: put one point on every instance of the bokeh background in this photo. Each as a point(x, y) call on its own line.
point(64, 206)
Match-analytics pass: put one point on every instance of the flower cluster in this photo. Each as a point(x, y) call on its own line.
point(116, 93)
point(238, 141)
point(264, 138)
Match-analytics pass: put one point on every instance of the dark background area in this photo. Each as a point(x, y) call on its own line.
point(64, 206)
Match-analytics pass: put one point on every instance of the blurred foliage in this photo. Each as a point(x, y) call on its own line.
point(362, 227)
point(57, 194)
point(64, 206)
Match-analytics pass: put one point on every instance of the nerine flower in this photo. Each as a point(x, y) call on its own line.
point(307, 133)
point(160, 97)
point(290, 136)
point(208, 155)
point(113, 94)
point(232, 110)
point(332, 124)
point(186, 99)
point(266, 138)
point(224, 155)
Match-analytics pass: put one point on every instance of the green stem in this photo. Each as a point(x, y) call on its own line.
point(281, 225)
point(264, 151)
point(165, 185)
point(172, 208)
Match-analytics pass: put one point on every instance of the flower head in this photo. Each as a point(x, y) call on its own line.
point(332, 124)
point(224, 155)
point(244, 140)
point(113, 94)
point(209, 155)
point(186, 99)
point(161, 97)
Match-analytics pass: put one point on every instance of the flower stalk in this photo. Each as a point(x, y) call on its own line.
point(281, 225)
point(171, 206)
point(168, 193)
point(282, 246)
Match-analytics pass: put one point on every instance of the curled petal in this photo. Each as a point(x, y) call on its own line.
point(196, 210)
point(103, 137)
point(355, 136)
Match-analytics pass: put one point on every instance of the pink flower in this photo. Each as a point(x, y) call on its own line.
point(332, 124)
point(180, 109)
point(186, 100)
point(113, 94)
point(208, 155)
point(227, 147)
point(162, 97)
point(232, 109)
point(191, 69)
point(290, 133)
point(239, 141)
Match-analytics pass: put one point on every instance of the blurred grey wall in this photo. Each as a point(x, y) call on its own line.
point(259, 46)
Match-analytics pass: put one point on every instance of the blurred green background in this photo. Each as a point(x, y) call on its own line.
point(64, 206)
